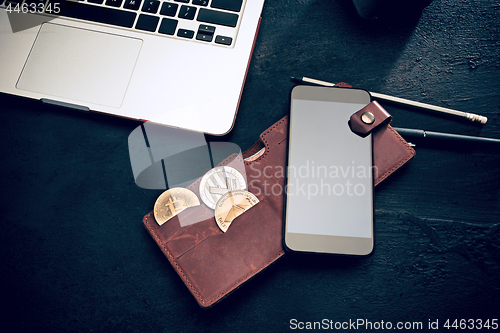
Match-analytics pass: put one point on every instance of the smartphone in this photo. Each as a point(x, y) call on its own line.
point(329, 184)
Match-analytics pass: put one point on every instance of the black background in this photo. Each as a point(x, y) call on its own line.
point(76, 257)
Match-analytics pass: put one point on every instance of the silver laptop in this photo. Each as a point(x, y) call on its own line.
point(181, 63)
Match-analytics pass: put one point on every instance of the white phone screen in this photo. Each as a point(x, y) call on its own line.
point(329, 181)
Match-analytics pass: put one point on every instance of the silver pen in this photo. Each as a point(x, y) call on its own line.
point(417, 133)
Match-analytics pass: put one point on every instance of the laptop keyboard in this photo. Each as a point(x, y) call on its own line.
point(206, 21)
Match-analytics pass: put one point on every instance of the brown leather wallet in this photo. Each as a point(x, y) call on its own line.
point(212, 263)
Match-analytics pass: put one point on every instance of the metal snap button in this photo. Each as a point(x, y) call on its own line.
point(368, 118)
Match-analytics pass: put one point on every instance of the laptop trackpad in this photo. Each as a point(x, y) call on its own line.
point(79, 64)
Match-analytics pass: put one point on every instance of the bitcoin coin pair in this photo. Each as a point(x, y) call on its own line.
point(222, 189)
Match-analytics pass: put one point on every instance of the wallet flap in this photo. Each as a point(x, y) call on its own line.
point(368, 119)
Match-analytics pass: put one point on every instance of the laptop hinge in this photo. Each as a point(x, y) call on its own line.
point(65, 105)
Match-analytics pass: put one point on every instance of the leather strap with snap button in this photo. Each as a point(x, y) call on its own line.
point(368, 118)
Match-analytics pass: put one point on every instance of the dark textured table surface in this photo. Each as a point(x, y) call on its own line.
point(75, 256)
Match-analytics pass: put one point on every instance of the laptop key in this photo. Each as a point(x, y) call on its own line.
point(132, 4)
point(185, 33)
point(98, 14)
point(206, 29)
point(147, 22)
point(187, 12)
point(184, 1)
point(114, 3)
point(205, 33)
point(99, 2)
point(168, 26)
point(169, 9)
point(203, 37)
point(223, 40)
point(216, 17)
point(232, 5)
point(200, 2)
point(150, 6)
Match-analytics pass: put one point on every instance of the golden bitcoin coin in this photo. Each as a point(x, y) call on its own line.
point(231, 205)
point(172, 202)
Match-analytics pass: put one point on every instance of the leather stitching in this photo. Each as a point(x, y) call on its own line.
point(265, 141)
point(397, 166)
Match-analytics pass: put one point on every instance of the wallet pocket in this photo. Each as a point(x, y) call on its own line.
point(216, 262)
point(190, 236)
